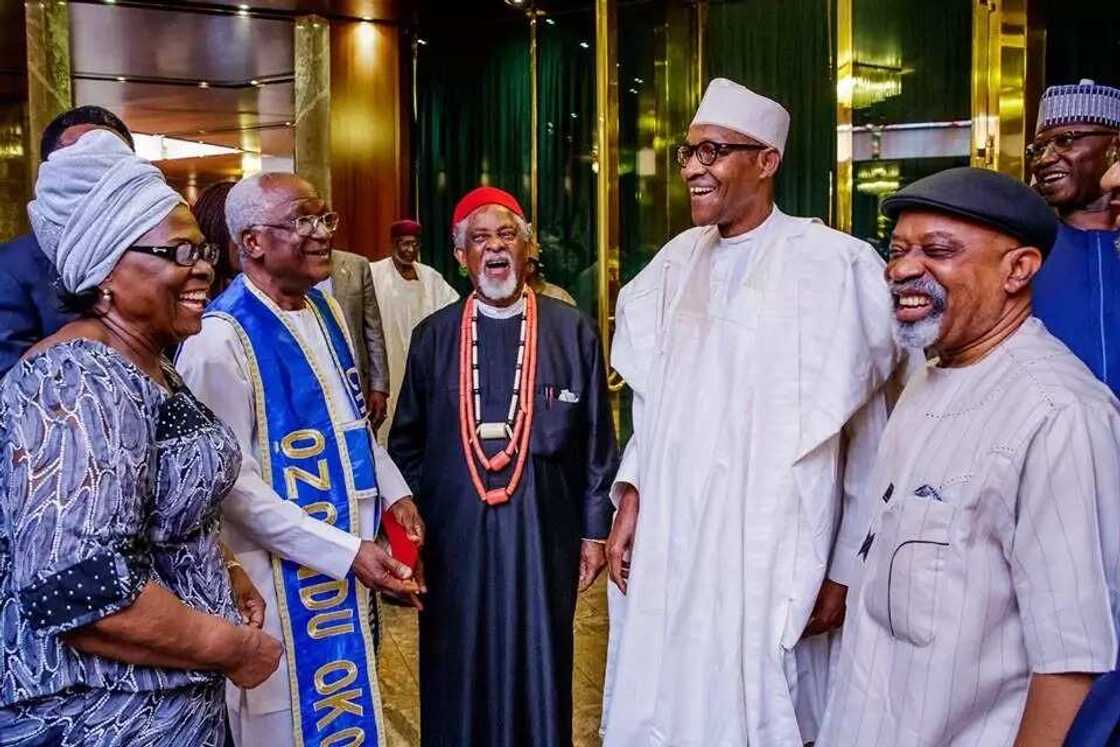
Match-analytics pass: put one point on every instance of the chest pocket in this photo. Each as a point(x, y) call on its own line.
point(556, 413)
point(907, 566)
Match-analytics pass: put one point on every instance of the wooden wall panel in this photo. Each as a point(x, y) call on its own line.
point(369, 136)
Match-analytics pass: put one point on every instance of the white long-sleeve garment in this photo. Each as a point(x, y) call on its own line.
point(258, 522)
point(404, 304)
point(758, 366)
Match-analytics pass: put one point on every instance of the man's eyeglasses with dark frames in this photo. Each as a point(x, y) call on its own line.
point(707, 151)
point(305, 226)
point(184, 254)
point(1062, 142)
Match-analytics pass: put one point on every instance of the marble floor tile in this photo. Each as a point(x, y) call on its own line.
point(399, 661)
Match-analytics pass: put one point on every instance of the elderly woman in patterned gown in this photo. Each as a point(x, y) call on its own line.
point(116, 614)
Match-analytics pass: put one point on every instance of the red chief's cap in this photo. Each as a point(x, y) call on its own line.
point(481, 196)
point(404, 227)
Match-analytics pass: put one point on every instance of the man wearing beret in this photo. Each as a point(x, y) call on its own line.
point(984, 608)
point(407, 291)
point(1077, 291)
point(503, 427)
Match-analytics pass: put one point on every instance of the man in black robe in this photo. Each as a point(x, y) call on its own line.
point(502, 572)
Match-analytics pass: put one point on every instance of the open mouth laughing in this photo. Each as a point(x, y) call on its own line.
point(497, 267)
point(193, 301)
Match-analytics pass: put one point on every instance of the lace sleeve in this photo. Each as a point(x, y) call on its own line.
point(79, 445)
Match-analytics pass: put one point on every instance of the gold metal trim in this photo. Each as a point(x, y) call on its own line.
point(606, 110)
point(845, 86)
point(999, 79)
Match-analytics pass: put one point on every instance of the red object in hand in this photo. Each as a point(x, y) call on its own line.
point(403, 548)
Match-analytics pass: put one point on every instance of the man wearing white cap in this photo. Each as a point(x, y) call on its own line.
point(1077, 292)
point(758, 347)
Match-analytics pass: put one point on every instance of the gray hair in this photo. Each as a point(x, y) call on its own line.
point(249, 204)
point(459, 230)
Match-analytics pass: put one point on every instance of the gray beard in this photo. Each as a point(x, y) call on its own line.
point(921, 335)
point(497, 292)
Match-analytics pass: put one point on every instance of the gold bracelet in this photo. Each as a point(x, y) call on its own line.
point(231, 564)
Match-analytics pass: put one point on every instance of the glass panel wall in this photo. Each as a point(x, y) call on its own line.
point(911, 99)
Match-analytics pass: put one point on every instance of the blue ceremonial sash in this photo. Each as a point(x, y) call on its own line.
point(324, 464)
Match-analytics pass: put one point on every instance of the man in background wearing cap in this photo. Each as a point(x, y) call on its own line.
point(1077, 292)
point(534, 271)
point(29, 304)
point(985, 602)
point(503, 429)
point(352, 285)
point(758, 346)
point(407, 291)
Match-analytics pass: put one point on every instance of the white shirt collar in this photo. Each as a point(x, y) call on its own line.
point(501, 312)
point(757, 232)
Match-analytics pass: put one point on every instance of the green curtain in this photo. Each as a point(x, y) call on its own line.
point(930, 43)
point(472, 125)
point(566, 138)
point(1082, 41)
point(782, 50)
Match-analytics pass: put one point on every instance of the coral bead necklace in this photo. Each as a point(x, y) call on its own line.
point(519, 419)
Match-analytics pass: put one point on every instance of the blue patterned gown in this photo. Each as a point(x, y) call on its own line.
point(107, 482)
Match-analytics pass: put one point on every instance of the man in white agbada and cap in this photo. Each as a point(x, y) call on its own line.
point(759, 347)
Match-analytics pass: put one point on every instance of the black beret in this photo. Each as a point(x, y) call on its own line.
point(989, 197)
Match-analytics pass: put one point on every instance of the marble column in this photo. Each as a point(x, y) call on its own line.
point(313, 102)
point(48, 69)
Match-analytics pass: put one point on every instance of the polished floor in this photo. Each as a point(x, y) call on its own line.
point(400, 696)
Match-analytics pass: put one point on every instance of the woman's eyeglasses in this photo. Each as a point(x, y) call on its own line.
point(184, 254)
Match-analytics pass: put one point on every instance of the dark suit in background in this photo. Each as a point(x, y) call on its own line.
point(29, 307)
point(352, 285)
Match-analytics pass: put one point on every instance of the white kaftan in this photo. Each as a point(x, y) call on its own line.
point(258, 522)
point(995, 552)
point(404, 304)
point(758, 366)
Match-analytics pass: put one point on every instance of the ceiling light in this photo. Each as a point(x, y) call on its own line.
point(243, 13)
point(121, 79)
point(287, 124)
point(242, 7)
point(422, 42)
point(550, 21)
point(639, 81)
point(110, 2)
point(203, 84)
point(516, 3)
point(585, 45)
point(160, 148)
point(254, 82)
point(367, 19)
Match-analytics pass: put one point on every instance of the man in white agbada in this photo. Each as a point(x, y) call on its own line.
point(758, 349)
point(277, 221)
point(988, 588)
point(407, 292)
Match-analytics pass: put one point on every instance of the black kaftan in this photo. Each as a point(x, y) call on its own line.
point(496, 631)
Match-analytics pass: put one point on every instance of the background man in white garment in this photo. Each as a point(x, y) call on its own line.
point(990, 573)
point(407, 291)
point(262, 211)
point(758, 351)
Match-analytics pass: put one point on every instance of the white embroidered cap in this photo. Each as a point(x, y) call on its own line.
point(736, 107)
